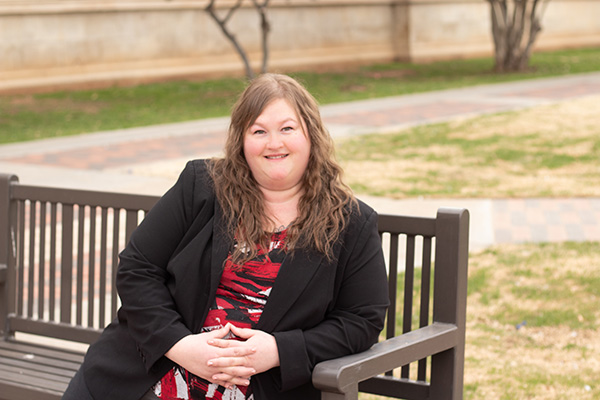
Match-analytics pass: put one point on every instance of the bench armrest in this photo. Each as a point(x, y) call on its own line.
point(3, 273)
point(343, 374)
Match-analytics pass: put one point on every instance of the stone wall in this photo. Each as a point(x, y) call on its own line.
point(60, 42)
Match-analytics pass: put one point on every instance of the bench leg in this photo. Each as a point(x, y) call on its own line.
point(446, 376)
point(351, 394)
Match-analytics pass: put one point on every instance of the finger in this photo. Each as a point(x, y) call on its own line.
point(225, 383)
point(230, 373)
point(229, 385)
point(233, 348)
point(227, 327)
point(227, 343)
point(221, 332)
point(243, 333)
point(233, 374)
point(227, 380)
point(224, 362)
point(223, 343)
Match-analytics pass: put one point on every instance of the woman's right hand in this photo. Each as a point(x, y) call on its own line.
point(194, 351)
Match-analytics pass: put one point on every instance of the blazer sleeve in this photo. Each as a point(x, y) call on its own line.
point(148, 307)
point(357, 316)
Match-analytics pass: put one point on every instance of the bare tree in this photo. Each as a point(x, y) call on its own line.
point(261, 8)
point(515, 27)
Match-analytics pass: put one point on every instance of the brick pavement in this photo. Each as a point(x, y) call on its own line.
point(561, 92)
point(413, 113)
point(128, 152)
point(546, 220)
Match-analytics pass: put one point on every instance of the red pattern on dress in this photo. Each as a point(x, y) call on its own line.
point(240, 299)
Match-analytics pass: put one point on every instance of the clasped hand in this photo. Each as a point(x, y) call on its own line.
point(226, 362)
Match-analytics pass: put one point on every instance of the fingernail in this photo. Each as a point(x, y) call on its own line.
point(210, 363)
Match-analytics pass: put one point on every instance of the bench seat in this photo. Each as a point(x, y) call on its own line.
point(26, 367)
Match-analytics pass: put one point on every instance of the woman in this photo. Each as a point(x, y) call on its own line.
point(265, 246)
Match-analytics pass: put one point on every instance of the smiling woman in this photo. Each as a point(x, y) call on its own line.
point(266, 246)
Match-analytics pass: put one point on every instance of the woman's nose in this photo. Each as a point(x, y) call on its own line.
point(274, 141)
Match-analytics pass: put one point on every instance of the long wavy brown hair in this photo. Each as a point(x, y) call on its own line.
point(326, 202)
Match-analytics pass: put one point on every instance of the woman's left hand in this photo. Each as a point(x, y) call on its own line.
point(265, 356)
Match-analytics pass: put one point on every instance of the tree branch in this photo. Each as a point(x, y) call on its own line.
point(232, 10)
point(222, 24)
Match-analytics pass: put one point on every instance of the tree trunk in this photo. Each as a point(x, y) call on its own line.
point(515, 27)
point(265, 27)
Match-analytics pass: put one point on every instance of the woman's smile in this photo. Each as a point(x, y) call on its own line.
point(276, 157)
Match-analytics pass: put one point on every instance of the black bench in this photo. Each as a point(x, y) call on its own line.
point(58, 255)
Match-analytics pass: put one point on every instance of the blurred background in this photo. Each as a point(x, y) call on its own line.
point(489, 105)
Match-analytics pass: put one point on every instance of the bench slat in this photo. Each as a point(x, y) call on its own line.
point(409, 226)
point(13, 386)
point(36, 359)
point(64, 354)
point(58, 330)
point(25, 368)
point(28, 368)
point(89, 197)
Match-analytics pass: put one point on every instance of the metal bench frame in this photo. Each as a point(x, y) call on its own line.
point(58, 256)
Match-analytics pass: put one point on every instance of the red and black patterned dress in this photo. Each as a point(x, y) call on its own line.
point(240, 299)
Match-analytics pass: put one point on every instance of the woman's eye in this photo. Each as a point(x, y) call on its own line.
point(258, 132)
point(287, 129)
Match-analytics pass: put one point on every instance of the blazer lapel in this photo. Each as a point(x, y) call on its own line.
point(220, 250)
point(294, 275)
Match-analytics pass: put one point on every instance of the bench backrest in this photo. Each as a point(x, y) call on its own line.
point(60, 248)
point(427, 264)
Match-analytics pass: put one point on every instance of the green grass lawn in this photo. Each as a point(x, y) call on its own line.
point(533, 322)
point(27, 117)
point(545, 151)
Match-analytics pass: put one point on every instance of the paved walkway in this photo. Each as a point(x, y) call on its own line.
point(148, 160)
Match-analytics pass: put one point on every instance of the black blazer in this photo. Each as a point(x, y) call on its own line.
point(167, 279)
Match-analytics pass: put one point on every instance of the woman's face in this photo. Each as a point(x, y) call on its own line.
point(277, 147)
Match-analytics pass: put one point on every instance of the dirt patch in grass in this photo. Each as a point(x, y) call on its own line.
point(392, 73)
point(533, 322)
point(546, 151)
